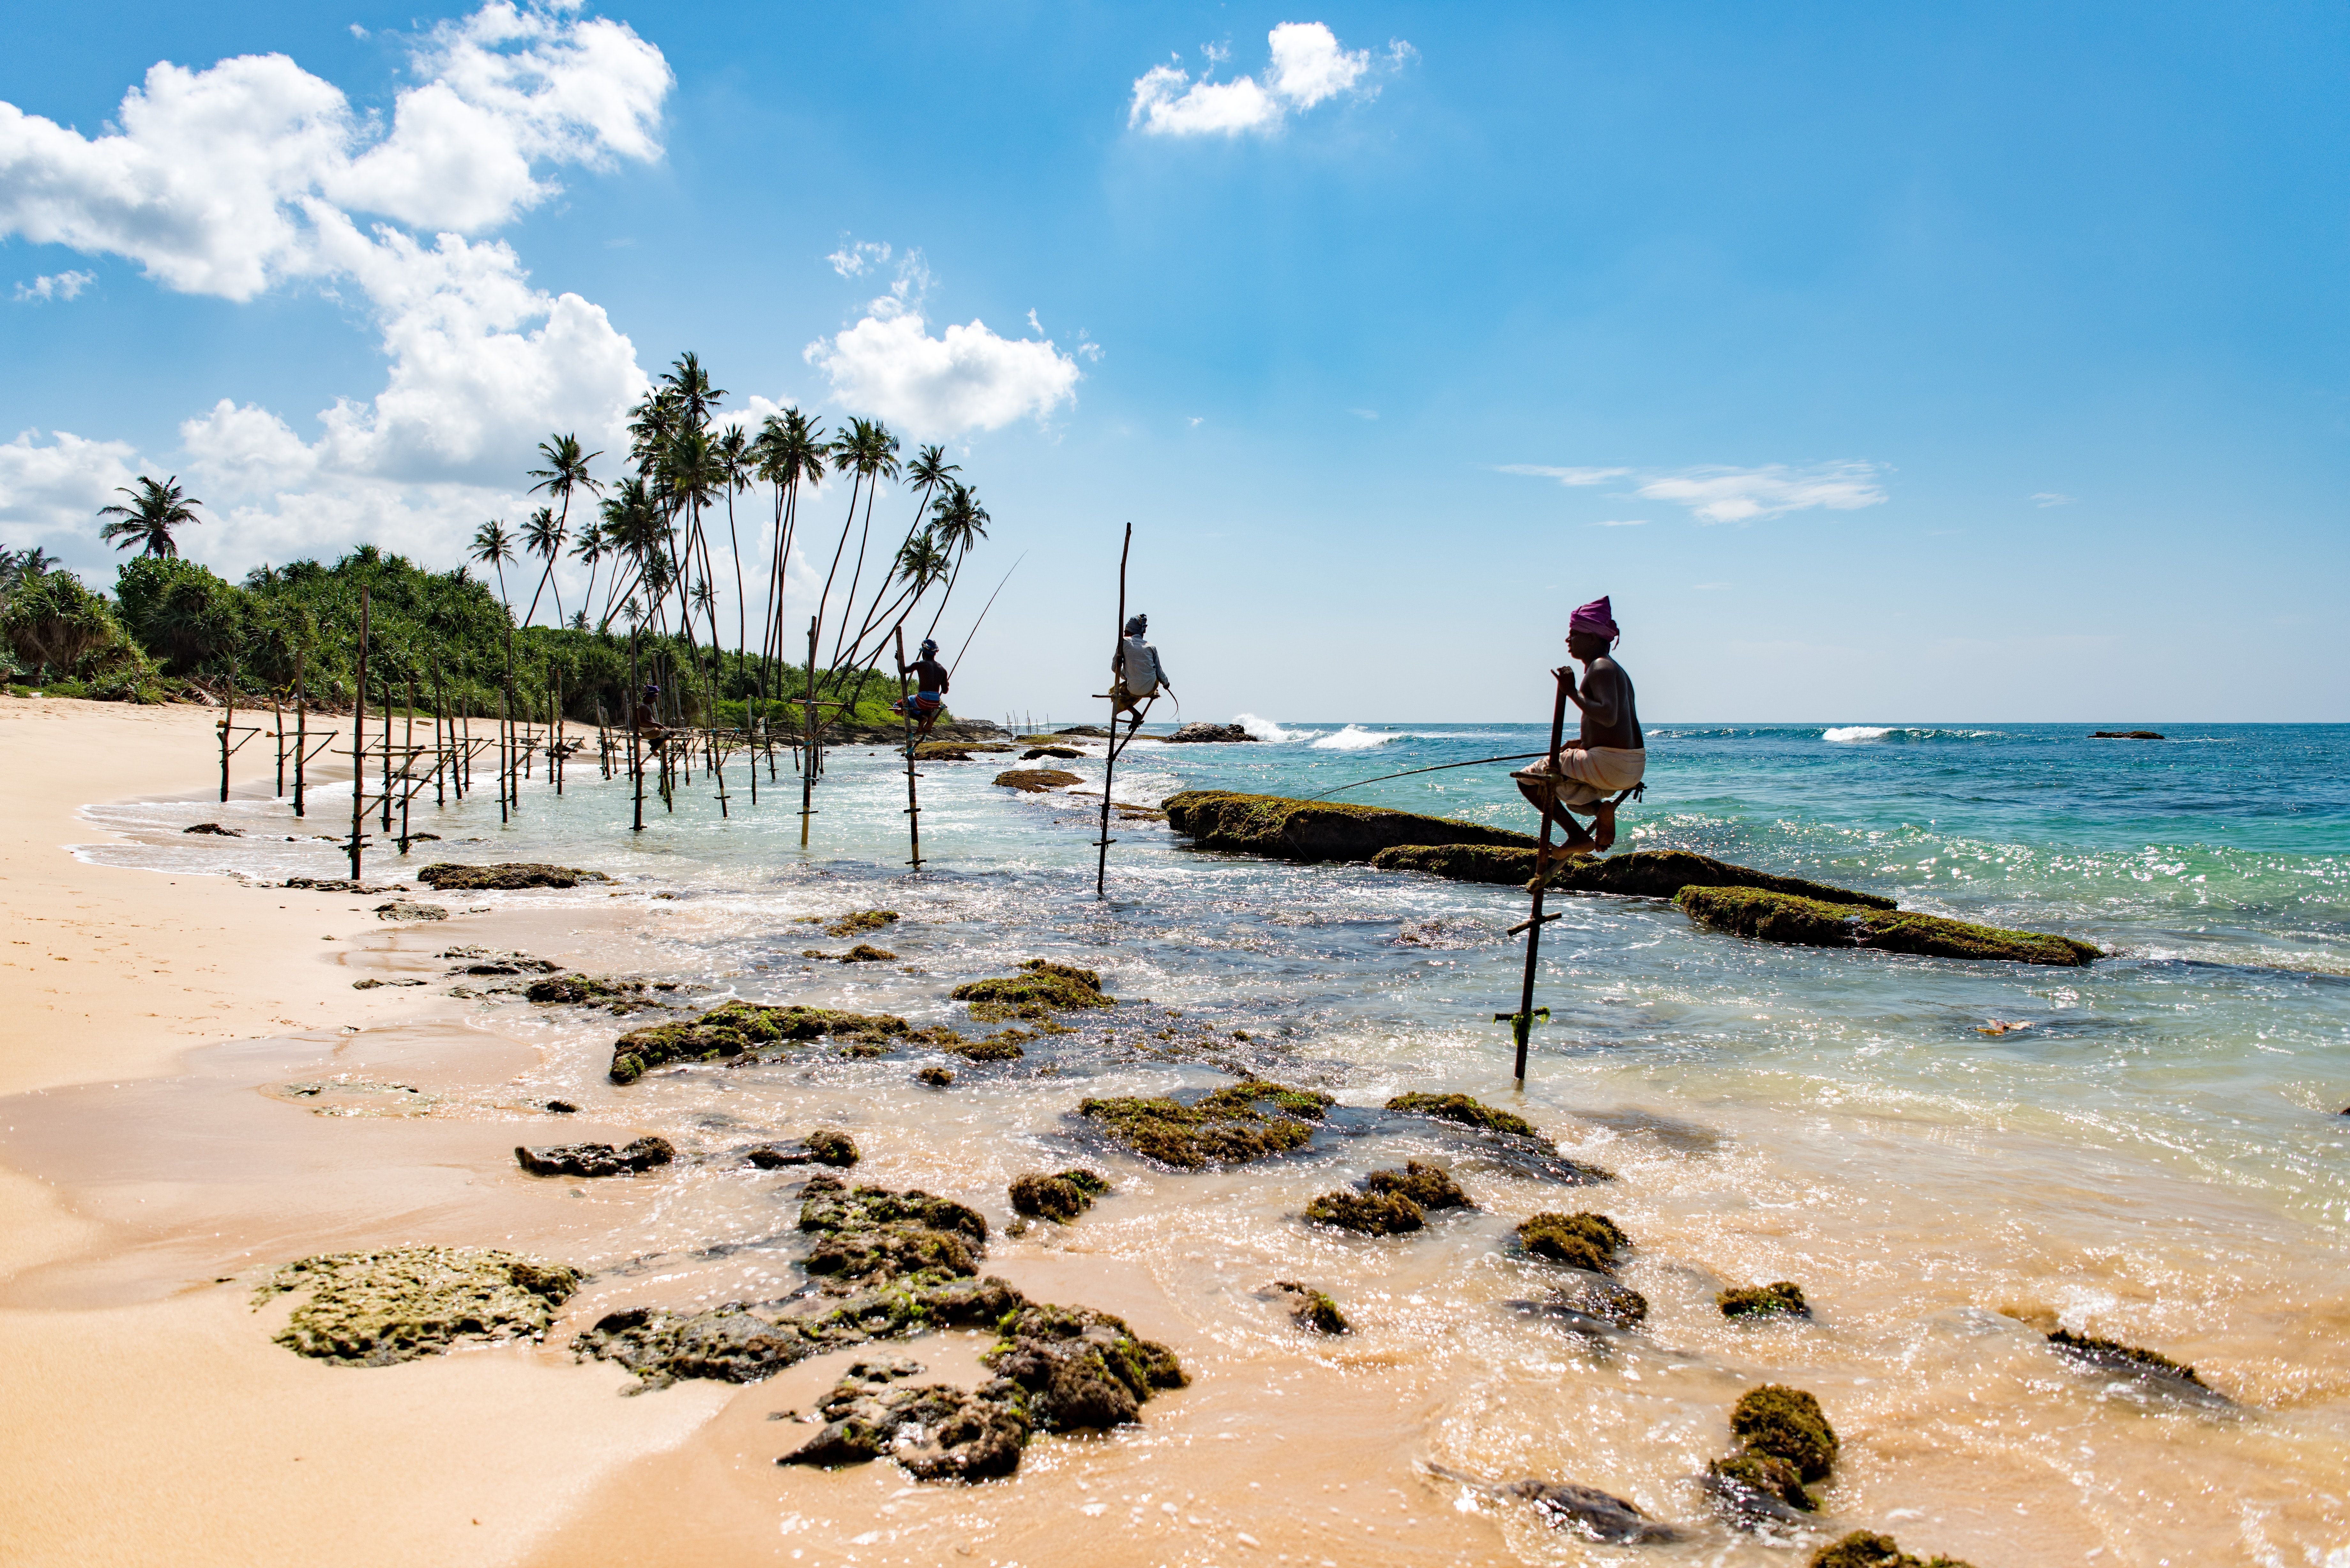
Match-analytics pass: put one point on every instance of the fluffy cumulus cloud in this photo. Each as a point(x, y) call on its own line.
point(54, 486)
point(58, 285)
point(967, 378)
point(242, 177)
point(1716, 493)
point(1306, 67)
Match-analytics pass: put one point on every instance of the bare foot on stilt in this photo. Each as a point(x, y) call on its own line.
point(1603, 826)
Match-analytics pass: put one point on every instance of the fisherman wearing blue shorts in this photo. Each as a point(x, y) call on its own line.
point(930, 699)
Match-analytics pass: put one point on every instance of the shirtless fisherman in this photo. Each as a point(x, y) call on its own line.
point(1610, 756)
point(929, 698)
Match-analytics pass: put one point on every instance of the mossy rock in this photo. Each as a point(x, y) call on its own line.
point(2097, 1354)
point(858, 922)
point(828, 1205)
point(953, 750)
point(935, 1433)
point(588, 990)
point(1040, 990)
point(372, 1309)
point(1428, 1186)
point(1231, 1126)
point(1061, 1195)
point(1080, 1368)
point(1780, 1297)
point(1764, 1476)
point(1036, 780)
point(1583, 1240)
point(1003, 1045)
point(1786, 1424)
point(736, 1028)
point(1311, 830)
point(1370, 1213)
point(1460, 1108)
point(1809, 922)
point(447, 877)
point(935, 1078)
point(1866, 1548)
point(1310, 1309)
point(1636, 874)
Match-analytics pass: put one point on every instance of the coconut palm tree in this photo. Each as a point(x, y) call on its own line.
point(960, 522)
point(588, 552)
point(155, 509)
point(494, 545)
point(735, 461)
point(566, 470)
point(542, 536)
point(928, 470)
point(868, 452)
point(791, 451)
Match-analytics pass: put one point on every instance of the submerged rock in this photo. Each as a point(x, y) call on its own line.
point(1041, 990)
point(863, 952)
point(1191, 734)
point(1635, 874)
point(1754, 1490)
point(1370, 1213)
point(1583, 1240)
point(622, 996)
point(826, 1146)
point(591, 1160)
point(1460, 1108)
point(1231, 1125)
point(856, 923)
point(1036, 780)
point(1785, 1424)
point(1289, 829)
point(1591, 1513)
point(1310, 1309)
point(935, 1078)
point(215, 827)
point(1061, 1196)
point(1064, 754)
point(1003, 1045)
point(1428, 1186)
point(2090, 1354)
point(1809, 922)
point(1591, 1301)
point(372, 1309)
point(1080, 1368)
point(448, 876)
point(2094, 735)
point(936, 1432)
point(736, 1029)
point(1866, 1548)
point(1780, 1297)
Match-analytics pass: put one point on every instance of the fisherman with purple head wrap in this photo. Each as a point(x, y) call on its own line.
point(1610, 756)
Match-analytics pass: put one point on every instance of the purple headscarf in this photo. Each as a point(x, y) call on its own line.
point(1595, 616)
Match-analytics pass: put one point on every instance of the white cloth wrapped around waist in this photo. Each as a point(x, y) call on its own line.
point(1580, 774)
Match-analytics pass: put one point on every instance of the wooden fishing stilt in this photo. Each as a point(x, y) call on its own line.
point(301, 728)
point(1110, 759)
point(635, 755)
point(228, 720)
point(359, 744)
point(913, 806)
point(407, 761)
point(387, 756)
point(807, 749)
point(277, 719)
point(1521, 1023)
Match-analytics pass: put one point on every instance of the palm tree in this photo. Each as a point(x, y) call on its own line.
point(543, 536)
point(566, 470)
point(960, 522)
point(791, 451)
point(871, 453)
point(636, 530)
point(589, 553)
point(735, 461)
point(928, 470)
point(494, 545)
point(155, 509)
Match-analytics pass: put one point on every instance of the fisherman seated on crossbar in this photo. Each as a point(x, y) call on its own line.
point(1605, 763)
point(645, 720)
point(929, 698)
point(1135, 675)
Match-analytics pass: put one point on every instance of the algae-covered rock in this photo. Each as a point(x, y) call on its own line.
point(1636, 874)
point(1060, 1195)
point(591, 1160)
point(1583, 1240)
point(1460, 1108)
point(1866, 1548)
point(1290, 830)
point(737, 1028)
point(1036, 780)
point(935, 1078)
point(1231, 1125)
point(588, 990)
point(2092, 1353)
point(1786, 1424)
point(409, 909)
point(1428, 1186)
point(828, 1206)
point(1039, 991)
point(447, 877)
point(1310, 1309)
point(1198, 732)
point(935, 1432)
point(863, 952)
point(1370, 1213)
point(1754, 1488)
point(372, 1309)
point(1591, 1513)
point(1591, 1303)
point(1782, 1297)
point(730, 1344)
point(1809, 922)
point(857, 923)
point(1003, 1045)
point(1080, 1368)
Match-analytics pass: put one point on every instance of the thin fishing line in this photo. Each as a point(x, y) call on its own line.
point(1473, 763)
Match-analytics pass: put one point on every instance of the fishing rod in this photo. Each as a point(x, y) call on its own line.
point(1440, 767)
point(982, 616)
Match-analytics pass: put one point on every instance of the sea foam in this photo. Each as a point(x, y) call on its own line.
point(1264, 729)
point(1353, 738)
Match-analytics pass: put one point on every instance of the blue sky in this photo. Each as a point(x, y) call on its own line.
point(1963, 363)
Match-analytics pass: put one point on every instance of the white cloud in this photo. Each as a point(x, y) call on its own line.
point(58, 286)
point(1622, 522)
point(2044, 497)
point(859, 257)
point(1718, 493)
point(219, 180)
point(966, 379)
point(1308, 67)
point(56, 487)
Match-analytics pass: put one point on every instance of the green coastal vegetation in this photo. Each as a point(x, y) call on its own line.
point(665, 552)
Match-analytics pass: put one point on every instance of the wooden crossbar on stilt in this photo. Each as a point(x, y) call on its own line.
point(1522, 1021)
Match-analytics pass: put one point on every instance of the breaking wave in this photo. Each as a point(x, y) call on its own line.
point(1353, 738)
point(1265, 729)
point(1846, 733)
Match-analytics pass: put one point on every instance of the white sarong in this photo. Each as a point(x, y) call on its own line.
point(1580, 776)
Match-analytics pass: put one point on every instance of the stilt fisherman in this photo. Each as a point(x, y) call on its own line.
point(1136, 675)
point(929, 698)
point(1591, 777)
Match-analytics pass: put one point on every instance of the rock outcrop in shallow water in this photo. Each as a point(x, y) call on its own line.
point(1590, 1302)
point(2090, 1354)
point(372, 1309)
point(1591, 1513)
point(1366, 1213)
point(1460, 1108)
point(1309, 1308)
point(1036, 780)
point(1509, 1139)
point(1866, 1548)
point(1191, 735)
point(936, 1431)
point(1041, 990)
point(1059, 1195)
point(1231, 1125)
point(1585, 1241)
point(513, 876)
point(1080, 1368)
point(1780, 1298)
point(1784, 1441)
point(1809, 922)
point(738, 1030)
point(1637, 874)
point(1289, 829)
point(594, 1159)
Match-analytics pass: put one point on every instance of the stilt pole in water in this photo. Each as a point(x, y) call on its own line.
point(913, 806)
point(636, 756)
point(807, 751)
point(301, 728)
point(387, 756)
point(277, 717)
point(1521, 1023)
point(1109, 760)
point(359, 744)
point(228, 718)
